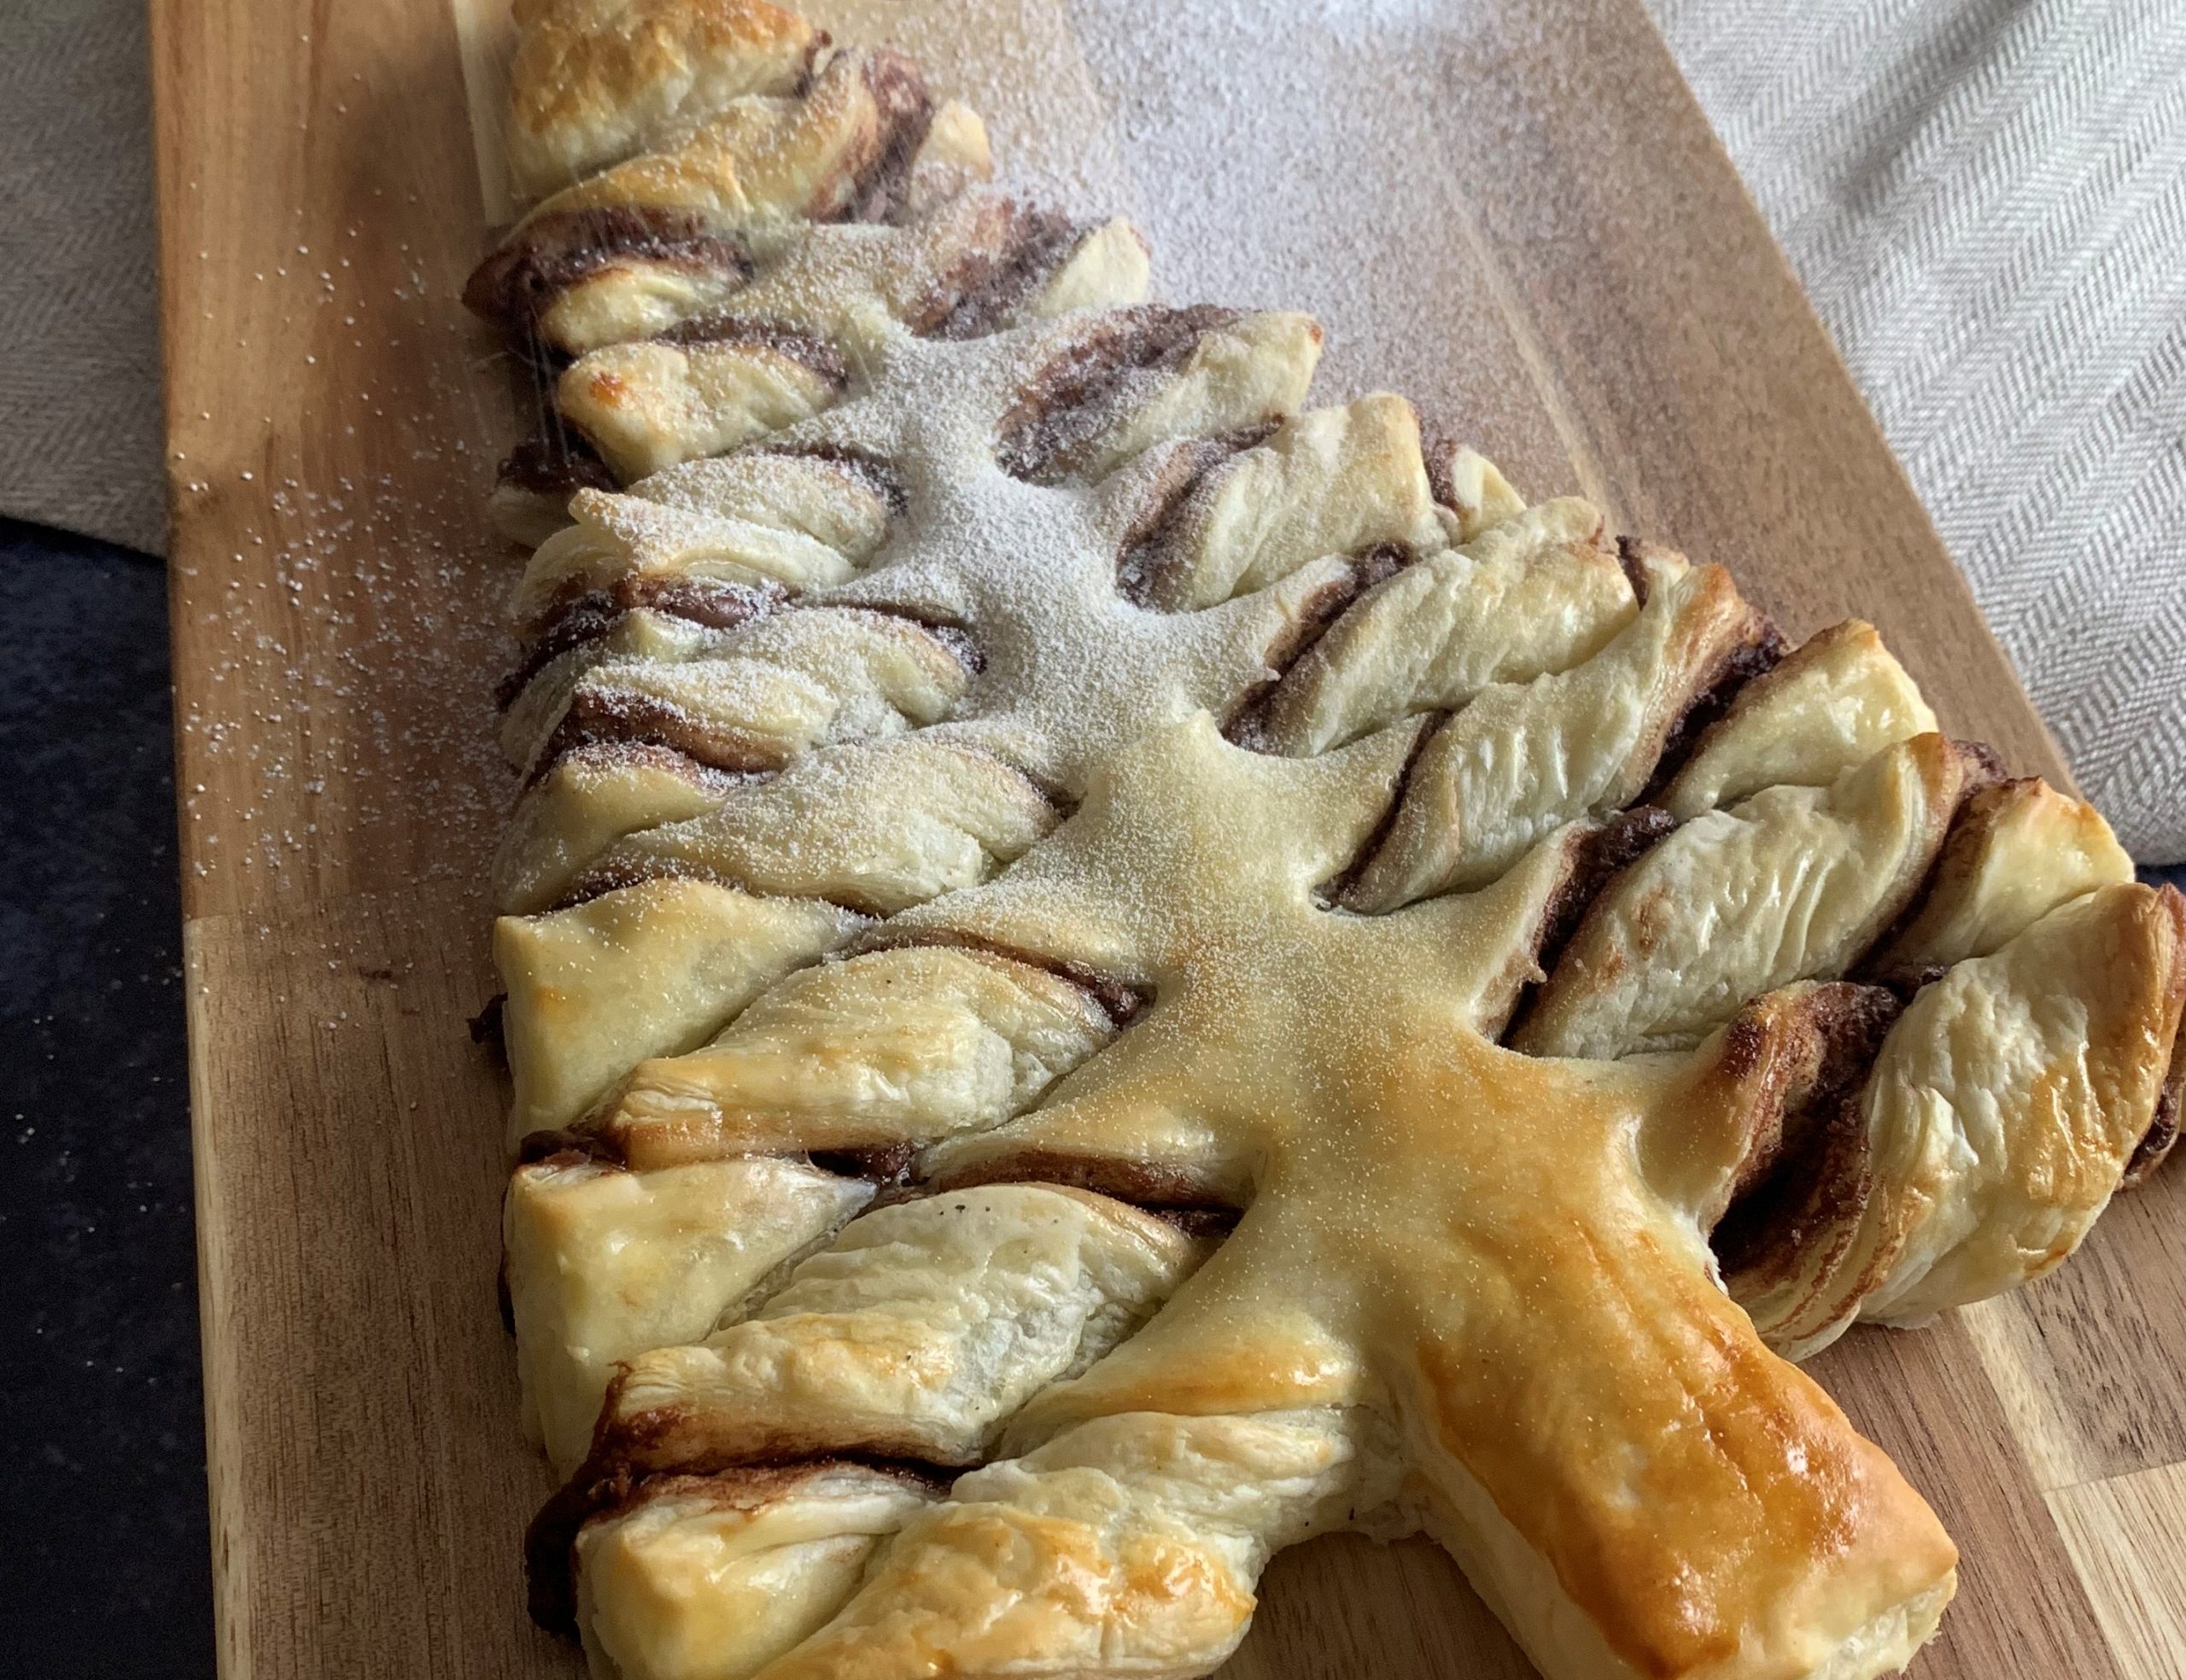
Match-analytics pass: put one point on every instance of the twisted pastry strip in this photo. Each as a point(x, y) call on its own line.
point(596, 80)
point(609, 1265)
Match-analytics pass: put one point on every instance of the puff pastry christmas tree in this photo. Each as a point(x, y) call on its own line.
point(1106, 973)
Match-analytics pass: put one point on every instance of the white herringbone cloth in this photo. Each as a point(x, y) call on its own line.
point(1986, 201)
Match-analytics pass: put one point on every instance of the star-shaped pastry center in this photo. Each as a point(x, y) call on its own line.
point(1070, 666)
point(1504, 1252)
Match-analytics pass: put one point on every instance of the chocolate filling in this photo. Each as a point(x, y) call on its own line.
point(2155, 1142)
point(602, 876)
point(629, 1457)
point(1958, 856)
point(1818, 1177)
point(553, 251)
point(2163, 1125)
point(1145, 1185)
point(1850, 1022)
point(593, 718)
point(1629, 550)
point(1150, 540)
point(1118, 1001)
point(579, 615)
point(601, 1488)
point(885, 1165)
point(593, 715)
point(878, 190)
point(1317, 617)
point(627, 1461)
point(1440, 451)
point(990, 283)
point(1078, 394)
point(1333, 894)
point(1984, 768)
point(596, 881)
point(564, 1146)
point(486, 1027)
point(1813, 1175)
point(1598, 859)
point(1710, 702)
point(876, 476)
point(548, 255)
point(554, 461)
point(585, 616)
point(727, 328)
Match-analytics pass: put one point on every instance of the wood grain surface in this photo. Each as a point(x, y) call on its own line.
point(1520, 217)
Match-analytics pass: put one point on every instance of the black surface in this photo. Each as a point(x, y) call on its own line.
point(102, 1528)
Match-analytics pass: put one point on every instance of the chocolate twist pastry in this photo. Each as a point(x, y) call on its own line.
point(1106, 972)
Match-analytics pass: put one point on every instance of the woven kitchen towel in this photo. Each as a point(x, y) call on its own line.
point(1986, 201)
point(79, 380)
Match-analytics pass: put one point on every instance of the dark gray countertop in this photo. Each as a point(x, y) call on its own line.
point(103, 1507)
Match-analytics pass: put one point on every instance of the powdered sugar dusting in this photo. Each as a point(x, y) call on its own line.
point(331, 642)
point(1070, 668)
point(1305, 156)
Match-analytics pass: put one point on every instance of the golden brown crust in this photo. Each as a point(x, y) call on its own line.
point(745, 1488)
point(843, 150)
point(1523, 758)
point(550, 1540)
point(1992, 1129)
point(2017, 850)
point(1795, 883)
point(1827, 708)
point(593, 81)
point(1270, 1314)
point(2155, 1144)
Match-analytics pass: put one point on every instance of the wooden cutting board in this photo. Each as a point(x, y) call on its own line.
point(1511, 209)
